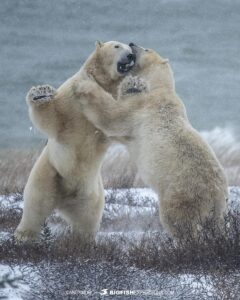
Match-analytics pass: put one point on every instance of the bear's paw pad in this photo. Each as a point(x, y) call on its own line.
point(134, 85)
point(41, 94)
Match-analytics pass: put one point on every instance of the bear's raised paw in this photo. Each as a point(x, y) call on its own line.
point(133, 85)
point(41, 94)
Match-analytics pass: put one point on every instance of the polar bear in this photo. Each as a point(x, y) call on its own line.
point(67, 176)
point(170, 155)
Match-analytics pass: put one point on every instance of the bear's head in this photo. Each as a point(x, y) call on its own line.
point(109, 63)
point(155, 69)
point(115, 58)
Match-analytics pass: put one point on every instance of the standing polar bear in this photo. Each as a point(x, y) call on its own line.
point(67, 176)
point(170, 155)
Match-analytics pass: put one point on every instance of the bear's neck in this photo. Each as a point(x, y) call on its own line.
point(160, 77)
point(95, 70)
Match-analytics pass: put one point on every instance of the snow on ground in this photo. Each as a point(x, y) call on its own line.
point(132, 196)
point(122, 206)
point(4, 235)
point(11, 202)
point(123, 198)
point(146, 284)
point(234, 198)
point(15, 290)
point(120, 203)
point(198, 283)
point(125, 204)
point(141, 201)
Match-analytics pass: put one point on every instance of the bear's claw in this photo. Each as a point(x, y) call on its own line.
point(41, 94)
point(133, 85)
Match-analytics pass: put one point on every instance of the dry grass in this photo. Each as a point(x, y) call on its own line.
point(214, 250)
point(155, 261)
point(118, 171)
point(227, 150)
point(231, 163)
point(215, 247)
point(15, 166)
point(67, 263)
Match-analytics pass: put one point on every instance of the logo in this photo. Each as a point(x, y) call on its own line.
point(104, 292)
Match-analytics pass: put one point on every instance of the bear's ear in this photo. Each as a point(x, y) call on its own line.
point(98, 44)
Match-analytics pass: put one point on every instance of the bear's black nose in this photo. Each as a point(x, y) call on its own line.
point(131, 45)
point(131, 56)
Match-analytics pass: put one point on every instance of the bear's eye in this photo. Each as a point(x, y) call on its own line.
point(117, 46)
point(146, 50)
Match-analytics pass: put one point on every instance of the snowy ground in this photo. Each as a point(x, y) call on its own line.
point(15, 290)
point(124, 203)
point(129, 214)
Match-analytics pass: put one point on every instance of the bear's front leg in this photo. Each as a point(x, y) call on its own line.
point(131, 86)
point(41, 101)
point(113, 118)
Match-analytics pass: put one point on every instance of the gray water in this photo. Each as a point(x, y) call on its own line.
point(47, 41)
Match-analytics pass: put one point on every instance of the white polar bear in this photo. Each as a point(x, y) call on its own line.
point(67, 176)
point(170, 155)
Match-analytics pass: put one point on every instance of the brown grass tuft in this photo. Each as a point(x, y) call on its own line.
point(15, 166)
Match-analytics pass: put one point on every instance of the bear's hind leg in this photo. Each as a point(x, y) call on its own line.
point(39, 199)
point(180, 218)
point(84, 214)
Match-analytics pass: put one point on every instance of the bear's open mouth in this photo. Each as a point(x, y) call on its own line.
point(125, 67)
